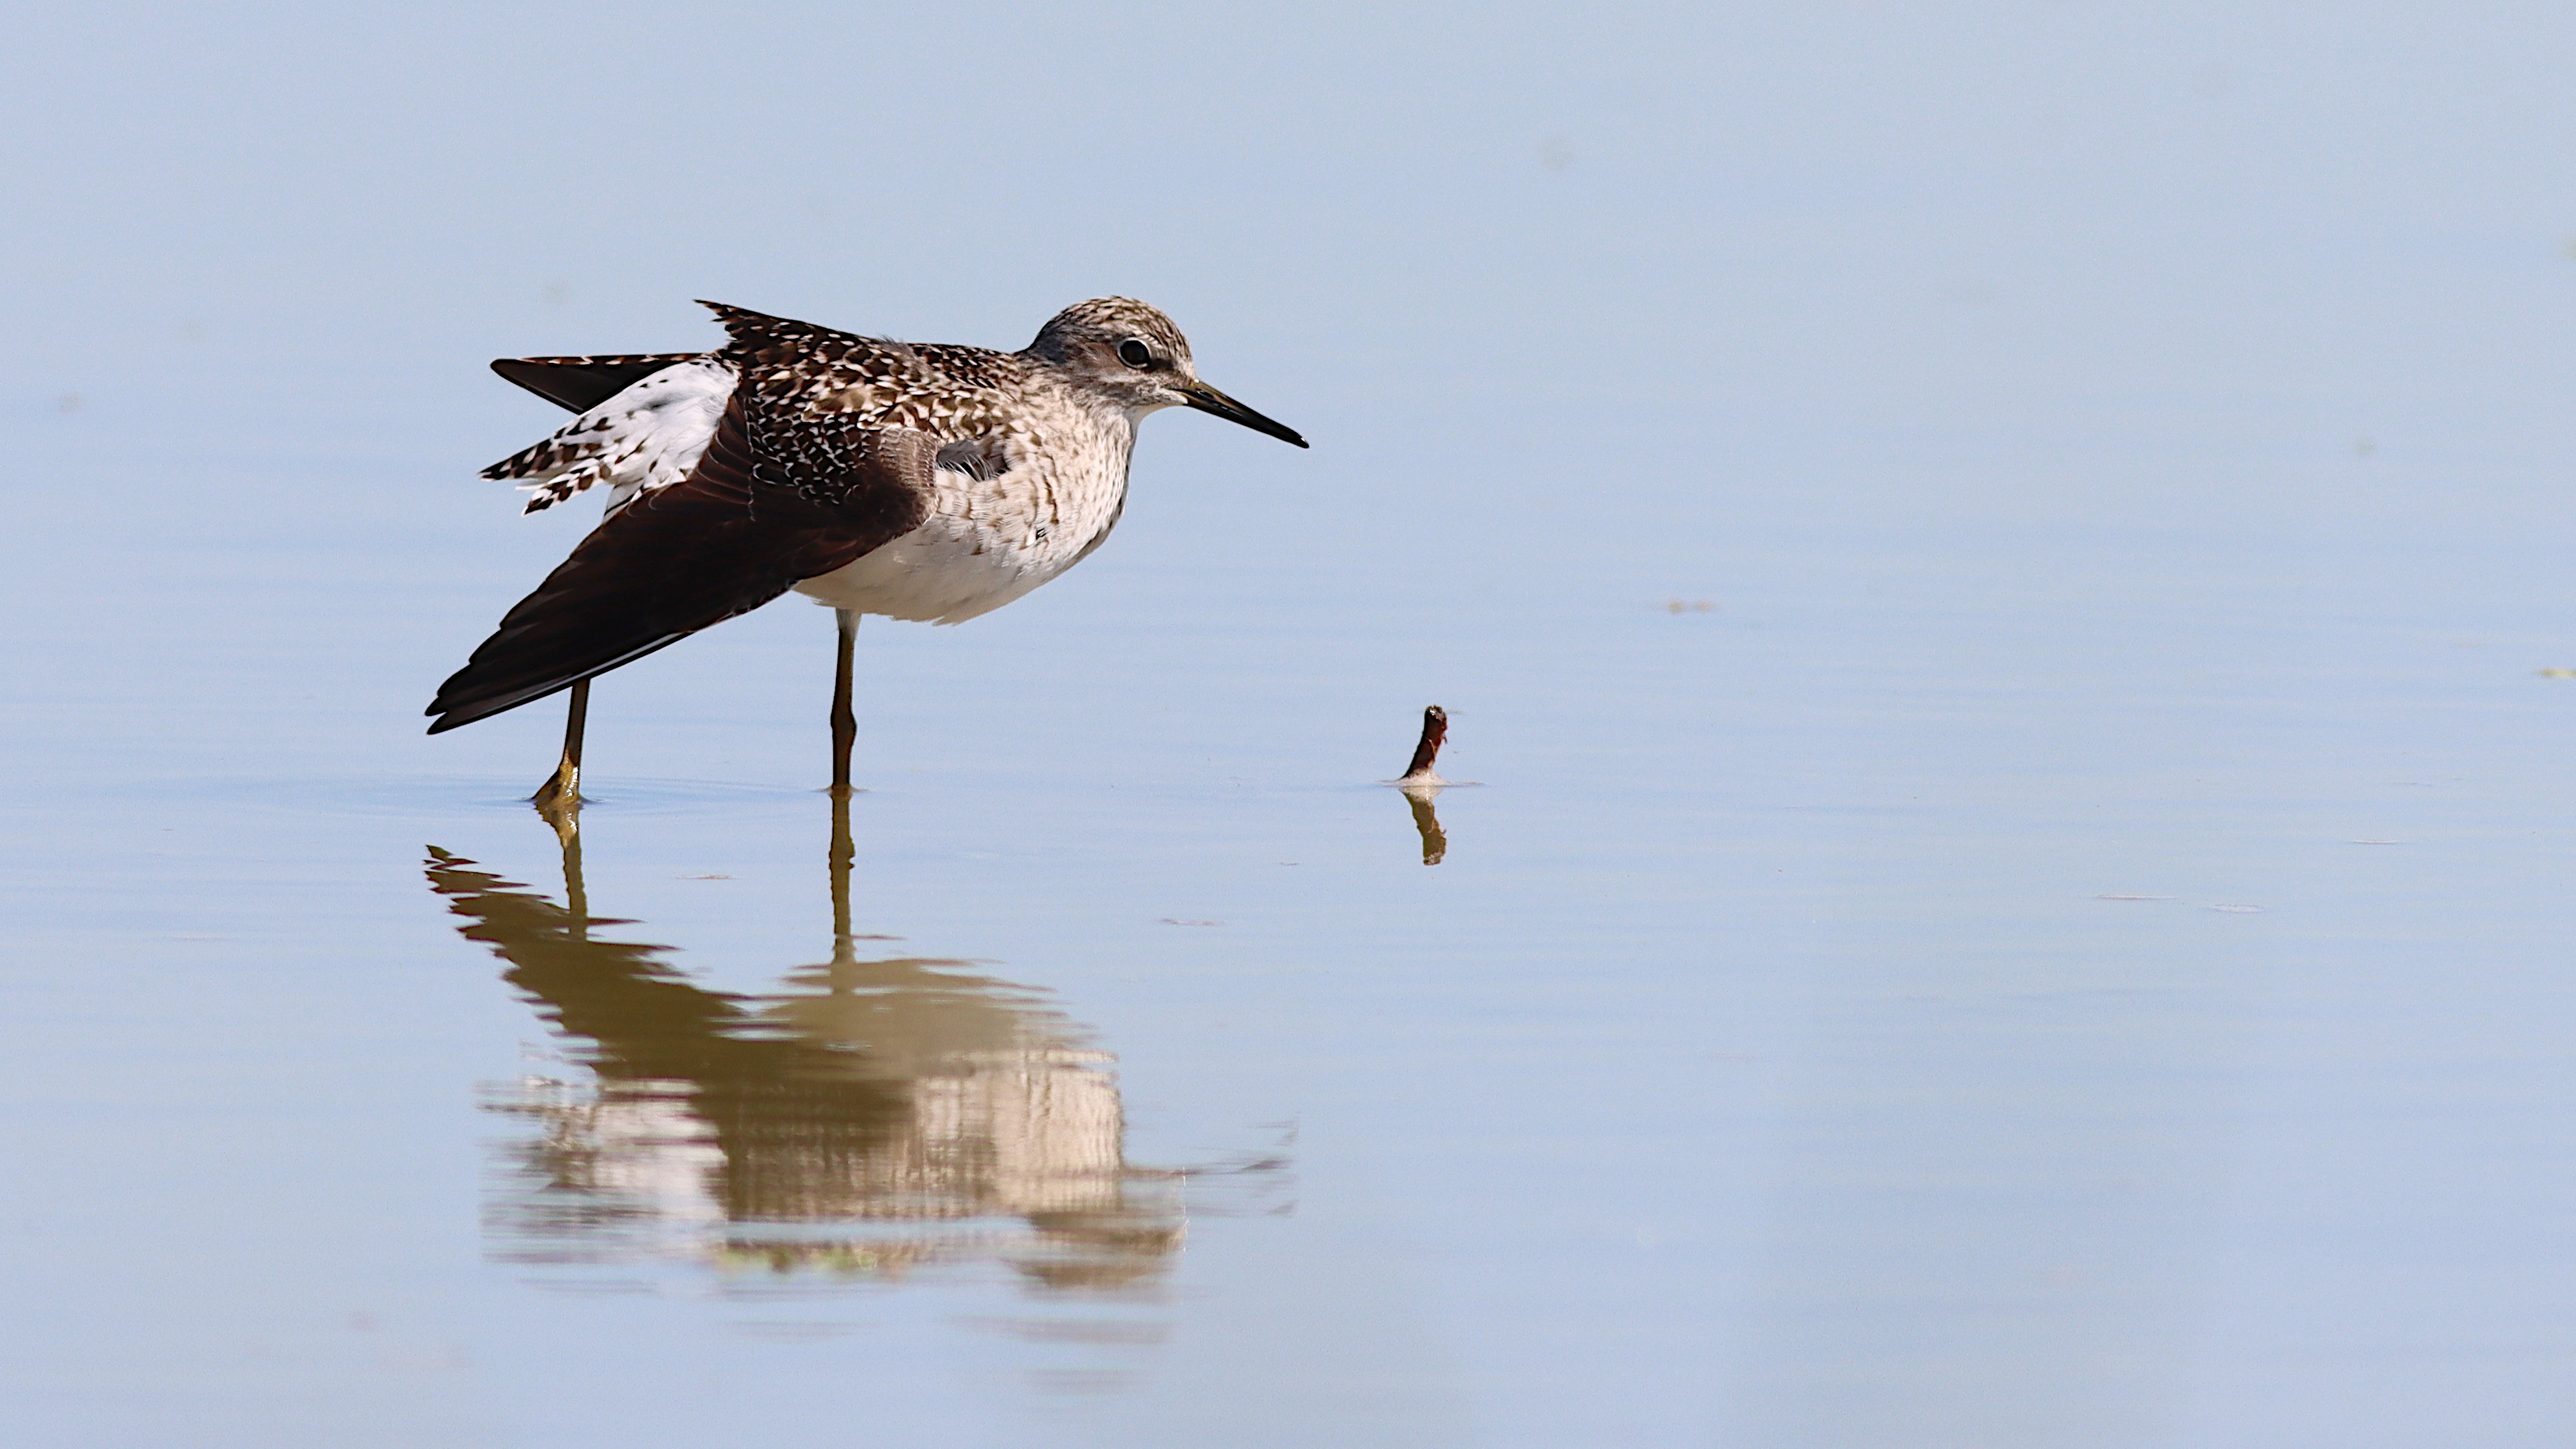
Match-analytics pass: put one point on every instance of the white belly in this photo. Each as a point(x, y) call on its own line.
point(977, 551)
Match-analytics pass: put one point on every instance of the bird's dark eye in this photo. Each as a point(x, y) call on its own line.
point(1135, 353)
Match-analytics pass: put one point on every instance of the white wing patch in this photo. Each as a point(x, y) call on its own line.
point(644, 438)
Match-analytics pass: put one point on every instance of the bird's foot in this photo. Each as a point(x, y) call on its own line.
point(558, 801)
point(563, 788)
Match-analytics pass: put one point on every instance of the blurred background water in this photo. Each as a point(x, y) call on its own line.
point(1996, 564)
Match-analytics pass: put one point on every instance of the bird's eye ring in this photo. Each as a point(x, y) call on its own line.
point(1135, 353)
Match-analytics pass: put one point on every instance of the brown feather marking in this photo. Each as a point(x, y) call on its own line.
point(779, 497)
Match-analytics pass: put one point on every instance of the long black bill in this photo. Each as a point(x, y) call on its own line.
point(1208, 400)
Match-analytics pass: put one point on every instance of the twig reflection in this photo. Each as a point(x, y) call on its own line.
point(1435, 843)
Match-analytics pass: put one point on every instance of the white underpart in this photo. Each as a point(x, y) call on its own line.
point(988, 541)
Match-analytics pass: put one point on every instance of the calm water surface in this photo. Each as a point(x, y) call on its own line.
point(2018, 889)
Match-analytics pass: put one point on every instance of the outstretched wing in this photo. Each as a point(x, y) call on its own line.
point(780, 496)
point(578, 384)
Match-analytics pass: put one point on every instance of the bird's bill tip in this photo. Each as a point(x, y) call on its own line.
point(1208, 400)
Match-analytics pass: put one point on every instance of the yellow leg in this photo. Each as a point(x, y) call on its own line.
point(845, 724)
point(561, 793)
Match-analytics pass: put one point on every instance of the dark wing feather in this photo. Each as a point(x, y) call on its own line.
point(579, 384)
point(779, 498)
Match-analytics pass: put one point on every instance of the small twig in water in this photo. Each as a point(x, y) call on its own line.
point(1435, 728)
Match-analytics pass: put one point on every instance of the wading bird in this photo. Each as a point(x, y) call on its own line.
point(918, 481)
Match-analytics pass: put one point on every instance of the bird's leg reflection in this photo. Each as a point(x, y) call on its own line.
point(576, 894)
point(870, 1116)
point(844, 948)
point(1426, 819)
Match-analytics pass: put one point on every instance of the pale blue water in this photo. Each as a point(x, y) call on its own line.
point(1994, 564)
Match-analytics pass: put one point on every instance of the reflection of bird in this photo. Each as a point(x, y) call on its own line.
point(890, 1097)
point(921, 482)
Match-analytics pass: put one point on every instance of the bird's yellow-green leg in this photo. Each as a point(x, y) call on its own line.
point(845, 724)
point(561, 793)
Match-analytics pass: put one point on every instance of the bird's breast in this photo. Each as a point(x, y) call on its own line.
point(1005, 516)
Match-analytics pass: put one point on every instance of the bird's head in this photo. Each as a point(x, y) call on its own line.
point(1121, 350)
